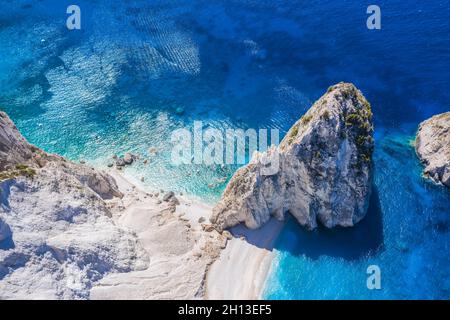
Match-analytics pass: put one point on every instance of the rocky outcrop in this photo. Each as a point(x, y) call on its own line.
point(126, 160)
point(57, 236)
point(323, 169)
point(20, 158)
point(13, 147)
point(433, 148)
point(5, 232)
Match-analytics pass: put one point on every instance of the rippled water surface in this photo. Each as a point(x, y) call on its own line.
point(115, 85)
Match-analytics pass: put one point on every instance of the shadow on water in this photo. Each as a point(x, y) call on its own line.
point(349, 243)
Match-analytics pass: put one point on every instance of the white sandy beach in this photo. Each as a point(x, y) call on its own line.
point(242, 268)
point(186, 261)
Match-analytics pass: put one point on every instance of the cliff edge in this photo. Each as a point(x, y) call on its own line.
point(324, 169)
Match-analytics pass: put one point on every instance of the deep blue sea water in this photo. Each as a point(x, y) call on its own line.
point(114, 86)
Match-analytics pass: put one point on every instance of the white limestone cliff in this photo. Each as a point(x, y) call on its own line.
point(69, 231)
point(56, 232)
point(324, 169)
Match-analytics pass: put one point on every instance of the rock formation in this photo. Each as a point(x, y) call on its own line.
point(433, 148)
point(19, 158)
point(68, 232)
point(324, 169)
point(56, 234)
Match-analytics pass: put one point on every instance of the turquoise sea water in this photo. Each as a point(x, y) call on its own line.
point(406, 234)
point(114, 86)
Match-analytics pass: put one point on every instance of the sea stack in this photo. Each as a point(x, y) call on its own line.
point(433, 148)
point(324, 169)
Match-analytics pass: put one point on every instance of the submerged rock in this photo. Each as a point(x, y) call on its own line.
point(14, 149)
point(126, 160)
point(433, 148)
point(321, 171)
point(129, 158)
point(120, 162)
point(179, 111)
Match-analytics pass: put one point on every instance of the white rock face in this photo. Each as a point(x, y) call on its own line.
point(433, 148)
point(325, 169)
point(56, 233)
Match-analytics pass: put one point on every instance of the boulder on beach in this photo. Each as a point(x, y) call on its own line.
point(128, 158)
point(179, 111)
point(320, 173)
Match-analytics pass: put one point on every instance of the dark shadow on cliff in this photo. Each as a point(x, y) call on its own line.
point(364, 239)
point(349, 243)
point(264, 237)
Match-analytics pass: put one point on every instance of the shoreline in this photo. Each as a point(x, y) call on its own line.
point(246, 257)
point(246, 260)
